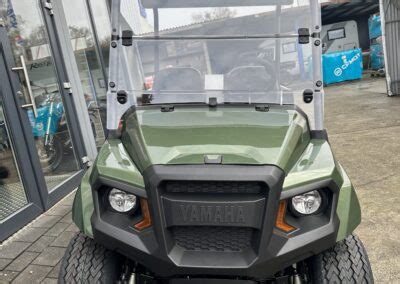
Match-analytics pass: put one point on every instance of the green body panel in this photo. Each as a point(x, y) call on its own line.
point(113, 162)
point(315, 164)
point(82, 208)
point(348, 208)
point(242, 135)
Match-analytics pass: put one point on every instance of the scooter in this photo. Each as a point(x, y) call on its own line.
point(50, 131)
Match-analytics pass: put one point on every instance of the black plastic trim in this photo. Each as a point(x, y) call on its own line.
point(210, 281)
point(127, 39)
point(304, 35)
point(274, 250)
point(308, 187)
point(308, 96)
point(167, 108)
point(319, 134)
point(140, 192)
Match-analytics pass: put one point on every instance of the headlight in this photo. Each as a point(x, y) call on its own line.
point(307, 203)
point(121, 201)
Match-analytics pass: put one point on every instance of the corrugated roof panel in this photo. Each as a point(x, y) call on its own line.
point(390, 15)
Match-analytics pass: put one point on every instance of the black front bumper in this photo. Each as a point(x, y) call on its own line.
point(211, 232)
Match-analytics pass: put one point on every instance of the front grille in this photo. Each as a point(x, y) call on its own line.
point(213, 187)
point(213, 238)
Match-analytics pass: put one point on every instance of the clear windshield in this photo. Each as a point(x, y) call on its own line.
point(231, 54)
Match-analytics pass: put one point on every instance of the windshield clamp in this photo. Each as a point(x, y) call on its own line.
point(49, 7)
point(304, 36)
point(67, 86)
point(262, 108)
point(122, 97)
point(308, 96)
point(212, 101)
point(167, 108)
point(127, 38)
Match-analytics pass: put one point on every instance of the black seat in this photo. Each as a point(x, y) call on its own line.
point(256, 80)
point(178, 79)
point(248, 78)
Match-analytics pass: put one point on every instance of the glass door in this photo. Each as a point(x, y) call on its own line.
point(12, 191)
point(44, 156)
point(20, 201)
point(32, 54)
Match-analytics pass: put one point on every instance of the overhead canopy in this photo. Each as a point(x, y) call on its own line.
point(156, 4)
point(347, 10)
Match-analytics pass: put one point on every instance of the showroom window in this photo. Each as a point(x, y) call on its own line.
point(102, 23)
point(89, 62)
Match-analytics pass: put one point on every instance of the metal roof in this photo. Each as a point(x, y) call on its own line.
point(338, 11)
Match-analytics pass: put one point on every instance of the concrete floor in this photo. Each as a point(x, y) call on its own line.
point(364, 130)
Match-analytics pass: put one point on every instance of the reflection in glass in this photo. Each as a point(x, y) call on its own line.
point(29, 39)
point(217, 19)
point(89, 66)
point(103, 27)
point(12, 193)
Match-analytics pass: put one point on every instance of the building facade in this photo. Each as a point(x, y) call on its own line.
point(53, 85)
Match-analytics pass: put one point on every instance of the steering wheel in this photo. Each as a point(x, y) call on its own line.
point(252, 73)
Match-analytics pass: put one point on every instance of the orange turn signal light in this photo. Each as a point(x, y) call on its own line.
point(146, 221)
point(280, 219)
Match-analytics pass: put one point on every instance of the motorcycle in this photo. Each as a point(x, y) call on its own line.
point(50, 131)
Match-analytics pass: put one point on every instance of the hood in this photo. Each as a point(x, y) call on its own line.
point(240, 134)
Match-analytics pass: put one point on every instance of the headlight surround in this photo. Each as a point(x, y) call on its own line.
point(308, 203)
point(122, 201)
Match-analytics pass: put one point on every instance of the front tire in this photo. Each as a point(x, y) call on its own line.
point(88, 262)
point(50, 156)
point(346, 262)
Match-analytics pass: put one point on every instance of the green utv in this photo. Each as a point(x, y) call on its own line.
point(217, 167)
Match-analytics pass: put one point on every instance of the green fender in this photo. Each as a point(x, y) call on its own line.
point(82, 208)
point(348, 208)
point(113, 162)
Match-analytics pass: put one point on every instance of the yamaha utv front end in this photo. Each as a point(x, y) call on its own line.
point(217, 168)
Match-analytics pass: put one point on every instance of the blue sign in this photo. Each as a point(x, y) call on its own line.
point(342, 66)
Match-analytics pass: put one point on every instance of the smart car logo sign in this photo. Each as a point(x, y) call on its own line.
point(346, 63)
point(342, 66)
point(338, 72)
